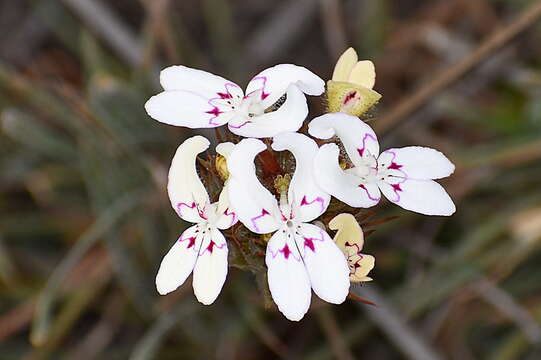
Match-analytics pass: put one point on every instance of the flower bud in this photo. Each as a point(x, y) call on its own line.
point(221, 167)
point(350, 90)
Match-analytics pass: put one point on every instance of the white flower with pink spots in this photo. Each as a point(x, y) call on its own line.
point(198, 99)
point(202, 248)
point(300, 256)
point(405, 176)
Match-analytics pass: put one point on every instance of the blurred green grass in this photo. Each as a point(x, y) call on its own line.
point(85, 220)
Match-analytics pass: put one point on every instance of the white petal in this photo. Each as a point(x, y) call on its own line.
point(197, 81)
point(416, 162)
point(344, 65)
point(226, 216)
point(211, 268)
point(225, 149)
point(179, 262)
point(358, 138)
point(186, 192)
point(422, 196)
point(288, 281)
point(184, 108)
point(343, 186)
point(254, 205)
point(274, 82)
point(326, 264)
point(289, 117)
point(308, 198)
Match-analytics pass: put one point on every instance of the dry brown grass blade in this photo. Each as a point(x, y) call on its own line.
point(360, 299)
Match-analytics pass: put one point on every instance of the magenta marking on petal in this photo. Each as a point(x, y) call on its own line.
point(192, 206)
point(264, 94)
point(241, 125)
point(286, 252)
point(256, 218)
point(234, 216)
point(201, 214)
point(309, 241)
point(215, 111)
point(394, 165)
point(365, 138)
point(318, 199)
point(191, 240)
point(211, 247)
point(368, 193)
point(397, 189)
point(224, 95)
point(180, 205)
point(228, 85)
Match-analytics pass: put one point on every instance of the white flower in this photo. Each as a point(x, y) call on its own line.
point(202, 247)
point(198, 99)
point(405, 175)
point(300, 256)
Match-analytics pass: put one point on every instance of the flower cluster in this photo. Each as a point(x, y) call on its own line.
point(300, 256)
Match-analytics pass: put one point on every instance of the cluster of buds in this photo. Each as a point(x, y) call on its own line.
point(265, 197)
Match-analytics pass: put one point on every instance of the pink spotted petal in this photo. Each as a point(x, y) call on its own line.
point(273, 82)
point(184, 108)
point(179, 262)
point(210, 269)
point(416, 162)
point(325, 263)
point(288, 281)
point(199, 82)
point(188, 196)
point(422, 196)
point(254, 205)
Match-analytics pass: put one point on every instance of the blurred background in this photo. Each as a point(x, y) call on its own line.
point(85, 220)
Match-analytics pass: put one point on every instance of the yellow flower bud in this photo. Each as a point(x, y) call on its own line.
point(221, 167)
point(350, 239)
point(351, 89)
